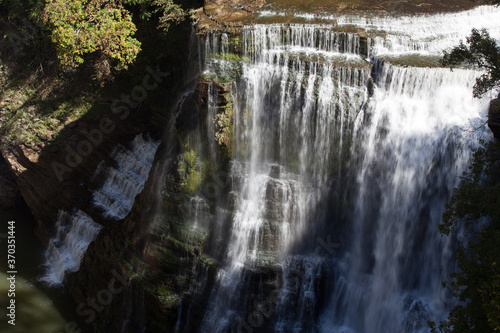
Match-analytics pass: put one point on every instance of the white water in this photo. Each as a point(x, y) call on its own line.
point(428, 34)
point(280, 185)
point(314, 154)
point(297, 38)
point(414, 148)
point(125, 181)
point(418, 33)
point(74, 233)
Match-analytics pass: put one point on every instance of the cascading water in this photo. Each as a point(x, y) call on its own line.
point(414, 146)
point(283, 159)
point(74, 232)
point(423, 33)
point(335, 155)
point(124, 182)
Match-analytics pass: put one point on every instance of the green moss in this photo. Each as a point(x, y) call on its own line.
point(223, 124)
point(190, 171)
point(230, 57)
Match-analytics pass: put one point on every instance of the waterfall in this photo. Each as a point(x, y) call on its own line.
point(340, 172)
point(414, 146)
point(127, 179)
point(423, 33)
point(291, 136)
point(299, 38)
point(74, 233)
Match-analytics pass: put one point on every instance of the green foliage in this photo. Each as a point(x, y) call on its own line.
point(29, 119)
point(222, 124)
point(144, 7)
point(86, 26)
point(477, 284)
point(231, 57)
point(190, 171)
point(482, 52)
point(171, 13)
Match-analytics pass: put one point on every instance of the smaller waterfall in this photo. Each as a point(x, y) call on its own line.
point(65, 251)
point(303, 37)
point(198, 210)
point(125, 181)
point(426, 34)
point(74, 232)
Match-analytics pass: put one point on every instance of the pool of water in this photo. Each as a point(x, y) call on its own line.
point(39, 308)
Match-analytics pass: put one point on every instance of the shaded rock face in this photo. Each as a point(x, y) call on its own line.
point(494, 117)
point(54, 177)
point(9, 192)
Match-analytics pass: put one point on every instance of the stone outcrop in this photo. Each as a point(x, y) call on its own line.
point(224, 108)
point(9, 192)
point(494, 117)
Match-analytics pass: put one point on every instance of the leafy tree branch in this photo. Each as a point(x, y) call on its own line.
point(481, 52)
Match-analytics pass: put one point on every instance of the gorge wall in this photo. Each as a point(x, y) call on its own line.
point(291, 179)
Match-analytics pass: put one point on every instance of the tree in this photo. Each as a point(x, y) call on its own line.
point(477, 284)
point(86, 26)
point(481, 52)
point(170, 11)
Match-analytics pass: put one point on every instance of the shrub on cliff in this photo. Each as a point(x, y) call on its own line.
point(81, 27)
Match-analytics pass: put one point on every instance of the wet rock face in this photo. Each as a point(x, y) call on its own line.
point(202, 89)
point(494, 117)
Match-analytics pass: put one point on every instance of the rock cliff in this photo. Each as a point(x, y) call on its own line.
point(494, 117)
